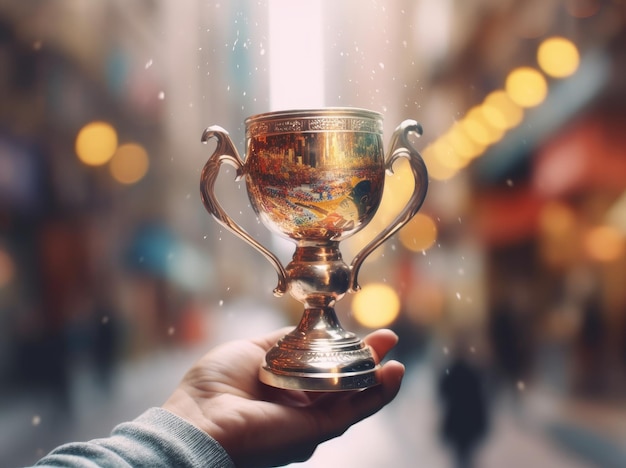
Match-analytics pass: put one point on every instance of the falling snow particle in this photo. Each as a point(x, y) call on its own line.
point(509, 182)
point(148, 64)
point(171, 331)
point(105, 320)
point(36, 420)
point(458, 296)
point(445, 350)
point(221, 303)
point(161, 95)
point(521, 386)
point(37, 45)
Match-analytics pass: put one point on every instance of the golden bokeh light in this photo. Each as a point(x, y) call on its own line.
point(500, 111)
point(558, 57)
point(96, 143)
point(559, 239)
point(436, 169)
point(476, 131)
point(604, 243)
point(445, 153)
point(129, 164)
point(488, 134)
point(556, 219)
point(402, 183)
point(526, 87)
point(419, 234)
point(465, 148)
point(376, 305)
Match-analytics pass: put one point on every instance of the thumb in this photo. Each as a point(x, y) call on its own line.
point(362, 404)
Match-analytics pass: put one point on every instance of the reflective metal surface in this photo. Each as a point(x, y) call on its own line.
point(316, 177)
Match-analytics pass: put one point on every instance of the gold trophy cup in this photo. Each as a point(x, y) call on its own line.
point(316, 177)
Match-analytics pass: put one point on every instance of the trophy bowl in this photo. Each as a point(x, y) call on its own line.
point(316, 177)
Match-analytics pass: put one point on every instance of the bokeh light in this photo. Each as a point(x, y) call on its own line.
point(487, 133)
point(476, 130)
point(436, 168)
point(604, 244)
point(96, 143)
point(500, 111)
point(376, 305)
point(129, 164)
point(526, 87)
point(419, 234)
point(558, 57)
point(556, 219)
point(445, 153)
point(403, 184)
point(559, 234)
point(461, 143)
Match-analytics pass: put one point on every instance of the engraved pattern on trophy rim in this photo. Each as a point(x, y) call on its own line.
point(312, 357)
point(314, 124)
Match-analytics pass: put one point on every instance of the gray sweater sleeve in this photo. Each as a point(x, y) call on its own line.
point(157, 438)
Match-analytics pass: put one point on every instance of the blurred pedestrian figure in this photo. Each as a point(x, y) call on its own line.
point(105, 347)
point(465, 420)
point(510, 341)
point(591, 344)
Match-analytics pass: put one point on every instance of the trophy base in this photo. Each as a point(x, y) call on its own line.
point(320, 361)
point(328, 382)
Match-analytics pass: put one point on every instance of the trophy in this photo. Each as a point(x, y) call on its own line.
point(316, 177)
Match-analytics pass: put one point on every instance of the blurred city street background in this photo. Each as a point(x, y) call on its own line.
point(507, 289)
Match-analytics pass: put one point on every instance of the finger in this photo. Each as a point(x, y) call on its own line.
point(369, 401)
point(282, 396)
point(391, 375)
point(360, 405)
point(269, 340)
point(381, 341)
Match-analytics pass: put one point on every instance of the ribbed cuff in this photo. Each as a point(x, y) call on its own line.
point(156, 439)
point(179, 442)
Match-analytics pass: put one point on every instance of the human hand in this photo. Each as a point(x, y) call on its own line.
point(259, 425)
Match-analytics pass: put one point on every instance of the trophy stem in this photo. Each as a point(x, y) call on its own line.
point(319, 355)
point(321, 323)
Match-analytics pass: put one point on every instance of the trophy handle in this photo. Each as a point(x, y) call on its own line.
point(400, 147)
point(225, 152)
